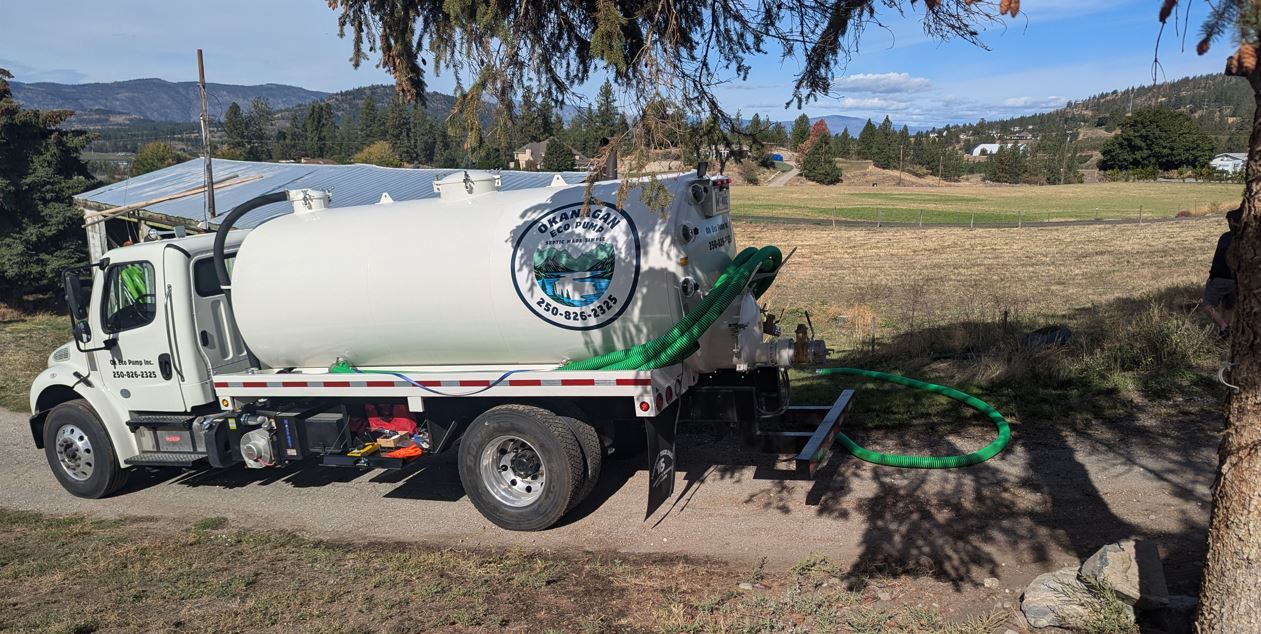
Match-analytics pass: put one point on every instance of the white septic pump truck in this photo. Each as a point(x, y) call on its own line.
point(370, 336)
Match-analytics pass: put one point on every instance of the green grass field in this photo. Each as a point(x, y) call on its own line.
point(990, 204)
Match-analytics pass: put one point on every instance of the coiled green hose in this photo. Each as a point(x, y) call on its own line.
point(926, 462)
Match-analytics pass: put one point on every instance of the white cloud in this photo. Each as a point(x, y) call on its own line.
point(1038, 103)
point(881, 83)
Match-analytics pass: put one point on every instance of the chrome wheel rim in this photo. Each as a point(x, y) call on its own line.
point(512, 471)
point(74, 452)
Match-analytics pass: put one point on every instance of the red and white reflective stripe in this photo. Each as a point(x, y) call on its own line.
point(398, 383)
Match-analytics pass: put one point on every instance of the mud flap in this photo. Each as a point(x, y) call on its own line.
point(661, 430)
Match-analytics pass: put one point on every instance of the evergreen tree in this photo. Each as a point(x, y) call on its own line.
point(1008, 165)
point(40, 172)
point(843, 144)
point(258, 126)
point(371, 128)
point(557, 157)
point(819, 165)
point(800, 131)
point(608, 120)
point(885, 151)
point(865, 148)
point(235, 128)
point(319, 131)
point(530, 124)
point(398, 130)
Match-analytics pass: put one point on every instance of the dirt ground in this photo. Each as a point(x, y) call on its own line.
point(920, 538)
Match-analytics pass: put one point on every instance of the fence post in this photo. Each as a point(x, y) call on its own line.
point(1020, 219)
point(972, 222)
point(833, 217)
point(1096, 214)
point(879, 217)
point(1140, 214)
point(921, 219)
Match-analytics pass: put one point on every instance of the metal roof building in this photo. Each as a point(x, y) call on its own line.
point(174, 196)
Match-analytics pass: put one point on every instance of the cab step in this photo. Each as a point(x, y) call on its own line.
point(181, 419)
point(167, 459)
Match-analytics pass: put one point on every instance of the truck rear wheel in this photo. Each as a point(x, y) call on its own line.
point(80, 453)
point(521, 466)
point(592, 456)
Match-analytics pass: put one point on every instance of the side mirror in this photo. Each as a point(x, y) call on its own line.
point(77, 305)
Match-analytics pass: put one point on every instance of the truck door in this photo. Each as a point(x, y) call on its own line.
point(140, 367)
point(216, 330)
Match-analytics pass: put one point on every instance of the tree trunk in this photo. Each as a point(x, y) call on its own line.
point(1230, 600)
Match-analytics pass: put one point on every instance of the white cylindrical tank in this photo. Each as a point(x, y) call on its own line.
point(480, 276)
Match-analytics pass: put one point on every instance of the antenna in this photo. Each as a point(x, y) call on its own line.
point(205, 140)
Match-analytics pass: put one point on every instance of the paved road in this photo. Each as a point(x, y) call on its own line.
point(1053, 497)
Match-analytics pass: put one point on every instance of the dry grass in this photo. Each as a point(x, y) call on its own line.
point(71, 574)
point(25, 343)
point(896, 279)
point(955, 203)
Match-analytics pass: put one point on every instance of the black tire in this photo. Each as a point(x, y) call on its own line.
point(555, 447)
point(106, 474)
point(592, 456)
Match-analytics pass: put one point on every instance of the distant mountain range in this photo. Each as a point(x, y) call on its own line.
point(155, 99)
point(119, 102)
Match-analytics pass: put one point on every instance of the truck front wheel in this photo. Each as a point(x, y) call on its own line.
point(521, 466)
point(80, 453)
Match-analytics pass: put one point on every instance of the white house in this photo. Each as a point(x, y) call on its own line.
point(986, 149)
point(1230, 162)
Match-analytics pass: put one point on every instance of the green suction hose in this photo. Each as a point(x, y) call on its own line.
point(678, 344)
point(926, 462)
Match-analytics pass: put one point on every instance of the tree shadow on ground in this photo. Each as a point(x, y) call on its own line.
point(1114, 437)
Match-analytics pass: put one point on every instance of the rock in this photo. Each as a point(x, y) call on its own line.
point(991, 582)
point(884, 595)
point(1178, 617)
point(1133, 570)
point(745, 585)
point(1051, 600)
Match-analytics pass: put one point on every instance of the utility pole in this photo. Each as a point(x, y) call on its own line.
point(901, 149)
point(205, 140)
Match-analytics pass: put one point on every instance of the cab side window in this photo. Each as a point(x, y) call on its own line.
point(130, 296)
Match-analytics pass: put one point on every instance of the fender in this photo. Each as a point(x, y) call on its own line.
point(61, 376)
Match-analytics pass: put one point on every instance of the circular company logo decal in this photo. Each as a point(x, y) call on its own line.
point(577, 271)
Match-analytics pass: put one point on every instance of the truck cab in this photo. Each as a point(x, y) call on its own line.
point(151, 328)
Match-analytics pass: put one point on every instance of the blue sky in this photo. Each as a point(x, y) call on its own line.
point(1055, 51)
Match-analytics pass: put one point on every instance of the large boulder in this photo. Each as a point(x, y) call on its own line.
point(1054, 599)
point(1133, 570)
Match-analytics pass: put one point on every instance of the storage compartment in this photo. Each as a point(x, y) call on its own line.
point(327, 432)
